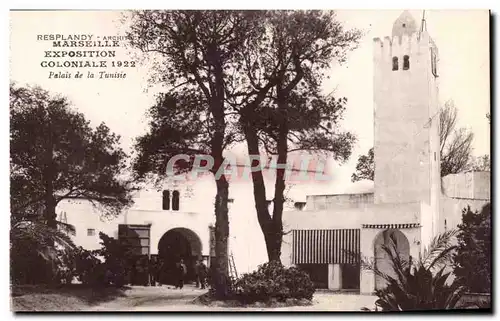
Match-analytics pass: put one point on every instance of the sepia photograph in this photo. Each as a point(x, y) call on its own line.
point(250, 160)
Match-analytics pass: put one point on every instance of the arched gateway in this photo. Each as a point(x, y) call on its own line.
point(393, 239)
point(176, 244)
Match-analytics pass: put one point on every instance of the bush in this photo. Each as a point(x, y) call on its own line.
point(422, 290)
point(105, 266)
point(29, 267)
point(30, 263)
point(421, 284)
point(34, 255)
point(88, 267)
point(117, 259)
point(473, 257)
point(66, 267)
point(273, 281)
point(108, 265)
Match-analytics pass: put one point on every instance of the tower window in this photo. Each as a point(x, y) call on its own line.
point(395, 64)
point(406, 62)
point(404, 25)
point(166, 200)
point(90, 232)
point(175, 200)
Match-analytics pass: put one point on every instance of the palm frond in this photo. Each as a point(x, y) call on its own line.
point(453, 299)
point(443, 258)
point(438, 244)
point(399, 264)
point(40, 234)
point(420, 284)
point(369, 264)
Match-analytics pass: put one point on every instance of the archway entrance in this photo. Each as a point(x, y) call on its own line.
point(174, 245)
point(394, 239)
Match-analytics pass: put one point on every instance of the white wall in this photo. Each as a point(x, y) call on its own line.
point(196, 213)
point(451, 211)
point(323, 202)
point(246, 240)
point(83, 216)
point(469, 185)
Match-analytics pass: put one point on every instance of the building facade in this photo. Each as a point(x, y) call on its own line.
point(409, 202)
point(327, 235)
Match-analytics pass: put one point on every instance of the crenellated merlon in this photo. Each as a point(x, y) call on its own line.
point(386, 49)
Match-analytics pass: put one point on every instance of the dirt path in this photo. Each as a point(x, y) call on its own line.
point(169, 299)
point(140, 298)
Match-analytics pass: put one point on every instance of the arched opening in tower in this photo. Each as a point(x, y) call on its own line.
point(397, 243)
point(175, 245)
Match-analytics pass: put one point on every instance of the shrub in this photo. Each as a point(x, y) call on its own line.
point(473, 257)
point(34, 251)
point(117, 257)
point(106, 266)
point(66, 267)
point(273, 281)
point(88, 267)
point(27, 266)
point(421, 284)
point(423, 291)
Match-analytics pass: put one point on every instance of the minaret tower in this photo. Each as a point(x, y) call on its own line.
point(406, 147)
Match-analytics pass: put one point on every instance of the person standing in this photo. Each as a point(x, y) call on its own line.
point(181, 274)
point(197, 273)
point(142, 271)
point(153, 270)
point(202, 274)
point(161, 271)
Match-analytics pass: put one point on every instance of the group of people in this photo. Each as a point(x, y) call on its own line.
point(157, 268)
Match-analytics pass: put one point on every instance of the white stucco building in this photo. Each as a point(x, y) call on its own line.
point(328, 233)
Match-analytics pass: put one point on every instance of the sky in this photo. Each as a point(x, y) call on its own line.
point(462, 37)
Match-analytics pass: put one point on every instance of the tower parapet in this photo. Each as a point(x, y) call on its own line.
point(411, 45)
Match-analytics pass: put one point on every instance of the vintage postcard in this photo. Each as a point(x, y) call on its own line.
point(270, 160)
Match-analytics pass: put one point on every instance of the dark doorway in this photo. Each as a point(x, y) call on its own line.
point(350, 276)
point(318, 273)
point(135, 242)
point(177, 244)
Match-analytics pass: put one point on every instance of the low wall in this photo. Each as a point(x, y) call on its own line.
point(327, 202)
point(475, 300)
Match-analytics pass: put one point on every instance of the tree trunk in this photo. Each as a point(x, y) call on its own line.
point(273, 238)
point(221, 238)
point(276, 237)
point(50, 211)
point(272, 227)
point(48, 180)
point(267, 225)
point(217, 102)
point(276, 230)
point(51, 221)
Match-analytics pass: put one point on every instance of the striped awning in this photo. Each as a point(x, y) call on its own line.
point(326, 246)
point(393, 226)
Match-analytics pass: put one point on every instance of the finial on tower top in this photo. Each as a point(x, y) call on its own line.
point(404, 25)
point(423, 24)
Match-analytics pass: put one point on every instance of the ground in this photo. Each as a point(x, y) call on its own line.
point(73, 297)
point(169, 299)
point(139, 298)
point(165, 298)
